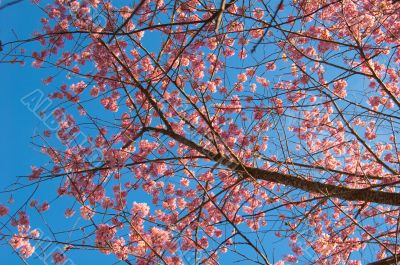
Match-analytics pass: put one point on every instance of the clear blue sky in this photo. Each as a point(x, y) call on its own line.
point(17, 153)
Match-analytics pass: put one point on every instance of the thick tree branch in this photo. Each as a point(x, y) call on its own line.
point(388, 261)
point(328, 190)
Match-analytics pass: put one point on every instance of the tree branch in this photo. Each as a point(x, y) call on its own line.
point(328, 190)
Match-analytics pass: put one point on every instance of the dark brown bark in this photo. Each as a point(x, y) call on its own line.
point(324, 190)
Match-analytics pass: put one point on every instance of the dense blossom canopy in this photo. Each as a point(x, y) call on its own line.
point(217, 129)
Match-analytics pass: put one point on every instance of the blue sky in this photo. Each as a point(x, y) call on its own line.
point(17, 153)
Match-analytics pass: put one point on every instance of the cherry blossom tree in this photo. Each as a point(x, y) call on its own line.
point(219, 128)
